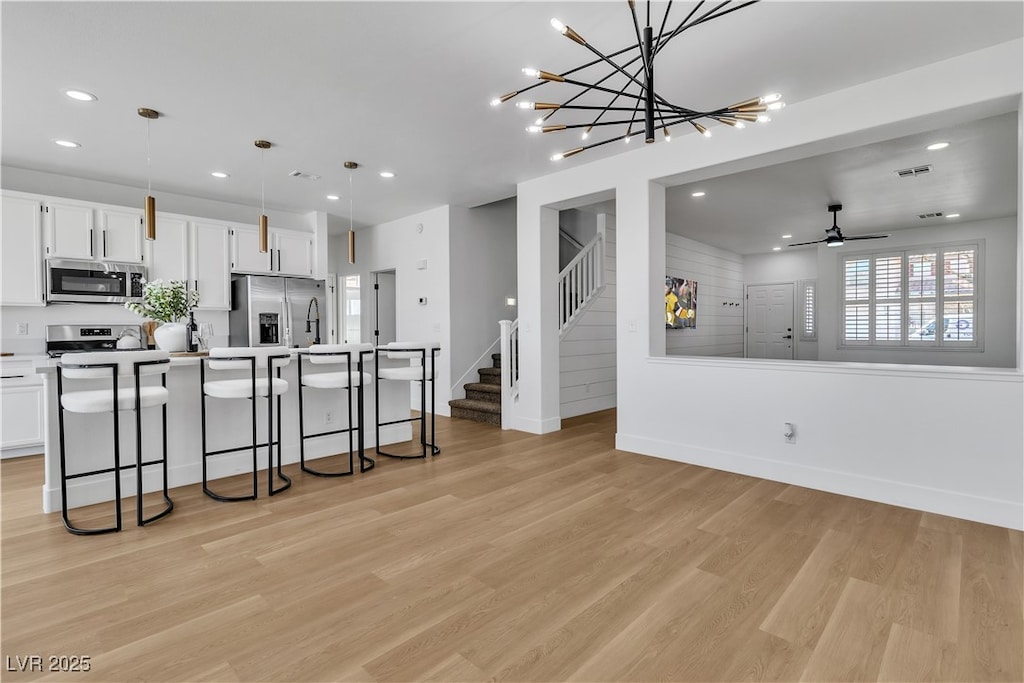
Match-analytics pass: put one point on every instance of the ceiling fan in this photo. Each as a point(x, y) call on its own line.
point(834, 236)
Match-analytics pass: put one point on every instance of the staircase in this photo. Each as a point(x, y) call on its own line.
point(483, 398)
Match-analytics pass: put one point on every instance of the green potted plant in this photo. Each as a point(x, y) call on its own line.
point(166, 302)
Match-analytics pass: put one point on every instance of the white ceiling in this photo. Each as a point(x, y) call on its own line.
point(748, 212)
point(405, 86)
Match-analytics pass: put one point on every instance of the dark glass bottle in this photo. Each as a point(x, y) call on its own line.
point(191, 333)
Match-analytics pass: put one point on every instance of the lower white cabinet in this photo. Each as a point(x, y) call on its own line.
point(21, 414)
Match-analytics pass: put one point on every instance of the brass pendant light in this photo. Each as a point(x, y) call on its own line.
point(264, 233)
point(149, 115)
point(351, 166)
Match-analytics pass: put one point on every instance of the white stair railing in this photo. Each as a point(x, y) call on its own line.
point(580, 281)
point(509, 370)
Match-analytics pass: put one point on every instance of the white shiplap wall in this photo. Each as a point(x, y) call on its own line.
point(587, 352)
point(719, 276)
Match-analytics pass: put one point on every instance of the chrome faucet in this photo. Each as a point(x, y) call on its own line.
point(313, 302)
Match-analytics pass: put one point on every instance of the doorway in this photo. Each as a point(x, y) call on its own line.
point(770, 321)
point(384, 309)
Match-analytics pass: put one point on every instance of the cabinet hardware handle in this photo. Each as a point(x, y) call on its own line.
point(279, 260)
point(91, 250)
point(104, 244)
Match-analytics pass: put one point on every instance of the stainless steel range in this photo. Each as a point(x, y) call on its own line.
point(61, 339)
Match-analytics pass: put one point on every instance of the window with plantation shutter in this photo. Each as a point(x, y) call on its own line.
point(925, 297)
point(808, 315)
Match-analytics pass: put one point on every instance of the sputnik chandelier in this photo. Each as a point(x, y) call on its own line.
point(645, 111)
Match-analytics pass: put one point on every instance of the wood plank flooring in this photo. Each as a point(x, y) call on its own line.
point(513, 557)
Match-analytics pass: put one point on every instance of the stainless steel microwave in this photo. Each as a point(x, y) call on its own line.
point(93, 281)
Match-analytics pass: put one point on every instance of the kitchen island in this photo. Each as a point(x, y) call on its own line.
point(89, 437)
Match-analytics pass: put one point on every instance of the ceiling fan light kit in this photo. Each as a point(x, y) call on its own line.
point(834, 236)
point(636, 103)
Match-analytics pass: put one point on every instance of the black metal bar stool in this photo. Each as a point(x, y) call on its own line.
point(261, 363)
point(337, 355)
point(121, 367)
point(426, 353)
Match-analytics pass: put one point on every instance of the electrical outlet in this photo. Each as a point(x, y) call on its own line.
point(22, 329)
point(328, 417)
point(789, 432)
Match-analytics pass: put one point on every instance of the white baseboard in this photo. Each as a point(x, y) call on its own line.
point(534, 426)
point(1004, 513)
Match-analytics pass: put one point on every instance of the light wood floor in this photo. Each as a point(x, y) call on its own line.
point(515, 557)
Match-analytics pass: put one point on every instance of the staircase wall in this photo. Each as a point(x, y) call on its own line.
point(483, 274)
point(587, 352)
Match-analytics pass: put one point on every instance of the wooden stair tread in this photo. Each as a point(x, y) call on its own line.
point(478, 386)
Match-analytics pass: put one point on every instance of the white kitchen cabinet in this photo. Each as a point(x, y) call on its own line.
point(211, 265)
point(245, 251)
point(292, 252)
point(120, 235)
point(21, 413)
point(21, 226)
point(167, 255)
point(69, 230)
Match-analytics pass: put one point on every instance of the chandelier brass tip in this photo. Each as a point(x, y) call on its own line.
point(147, 113)
point(263, 144)
point(745, 103)
point(569, 33)
point(351, 165)
point(745, 117)
point(551, 129)
point(540, 106)
point(575, 150)
point(752, 108)
point(548, 76)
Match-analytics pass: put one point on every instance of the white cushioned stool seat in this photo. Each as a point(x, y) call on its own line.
point(242, 388)
point(102, 400)
point(412, 373)
point(336, 380)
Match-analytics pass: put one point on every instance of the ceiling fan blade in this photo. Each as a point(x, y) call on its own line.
point(803, 244)
point(867, 237)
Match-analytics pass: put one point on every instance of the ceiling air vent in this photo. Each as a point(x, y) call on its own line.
point(304, 176)
point(933, 214)
point(913, 171)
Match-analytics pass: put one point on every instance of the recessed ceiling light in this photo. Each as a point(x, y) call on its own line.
point(387, 174)
point(776, 248)
point(333, 197)
point(952, 215)
point(698, 194)
point(220, 174)
point(81, 95)
point(937, 145)
point(67, 143)
point(786, 237)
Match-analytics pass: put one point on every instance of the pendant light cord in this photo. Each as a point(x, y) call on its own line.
point(263, 182)
point(350, 201)
point(149, 172)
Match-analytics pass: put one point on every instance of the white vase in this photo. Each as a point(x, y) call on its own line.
point(170, 337)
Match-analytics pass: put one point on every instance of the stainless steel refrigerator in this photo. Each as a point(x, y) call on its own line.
point(277, 311)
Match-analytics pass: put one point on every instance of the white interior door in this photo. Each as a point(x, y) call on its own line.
point(770, 321)
point(385, 327)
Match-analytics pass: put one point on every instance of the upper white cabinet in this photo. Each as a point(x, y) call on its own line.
point(69, 230)
point(246, 256)
point(21, 278)
point(210, 272)
point(292, 252)
point(167, 255)
point(120, 235)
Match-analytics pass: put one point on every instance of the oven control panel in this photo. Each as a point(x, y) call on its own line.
point(95, 332)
